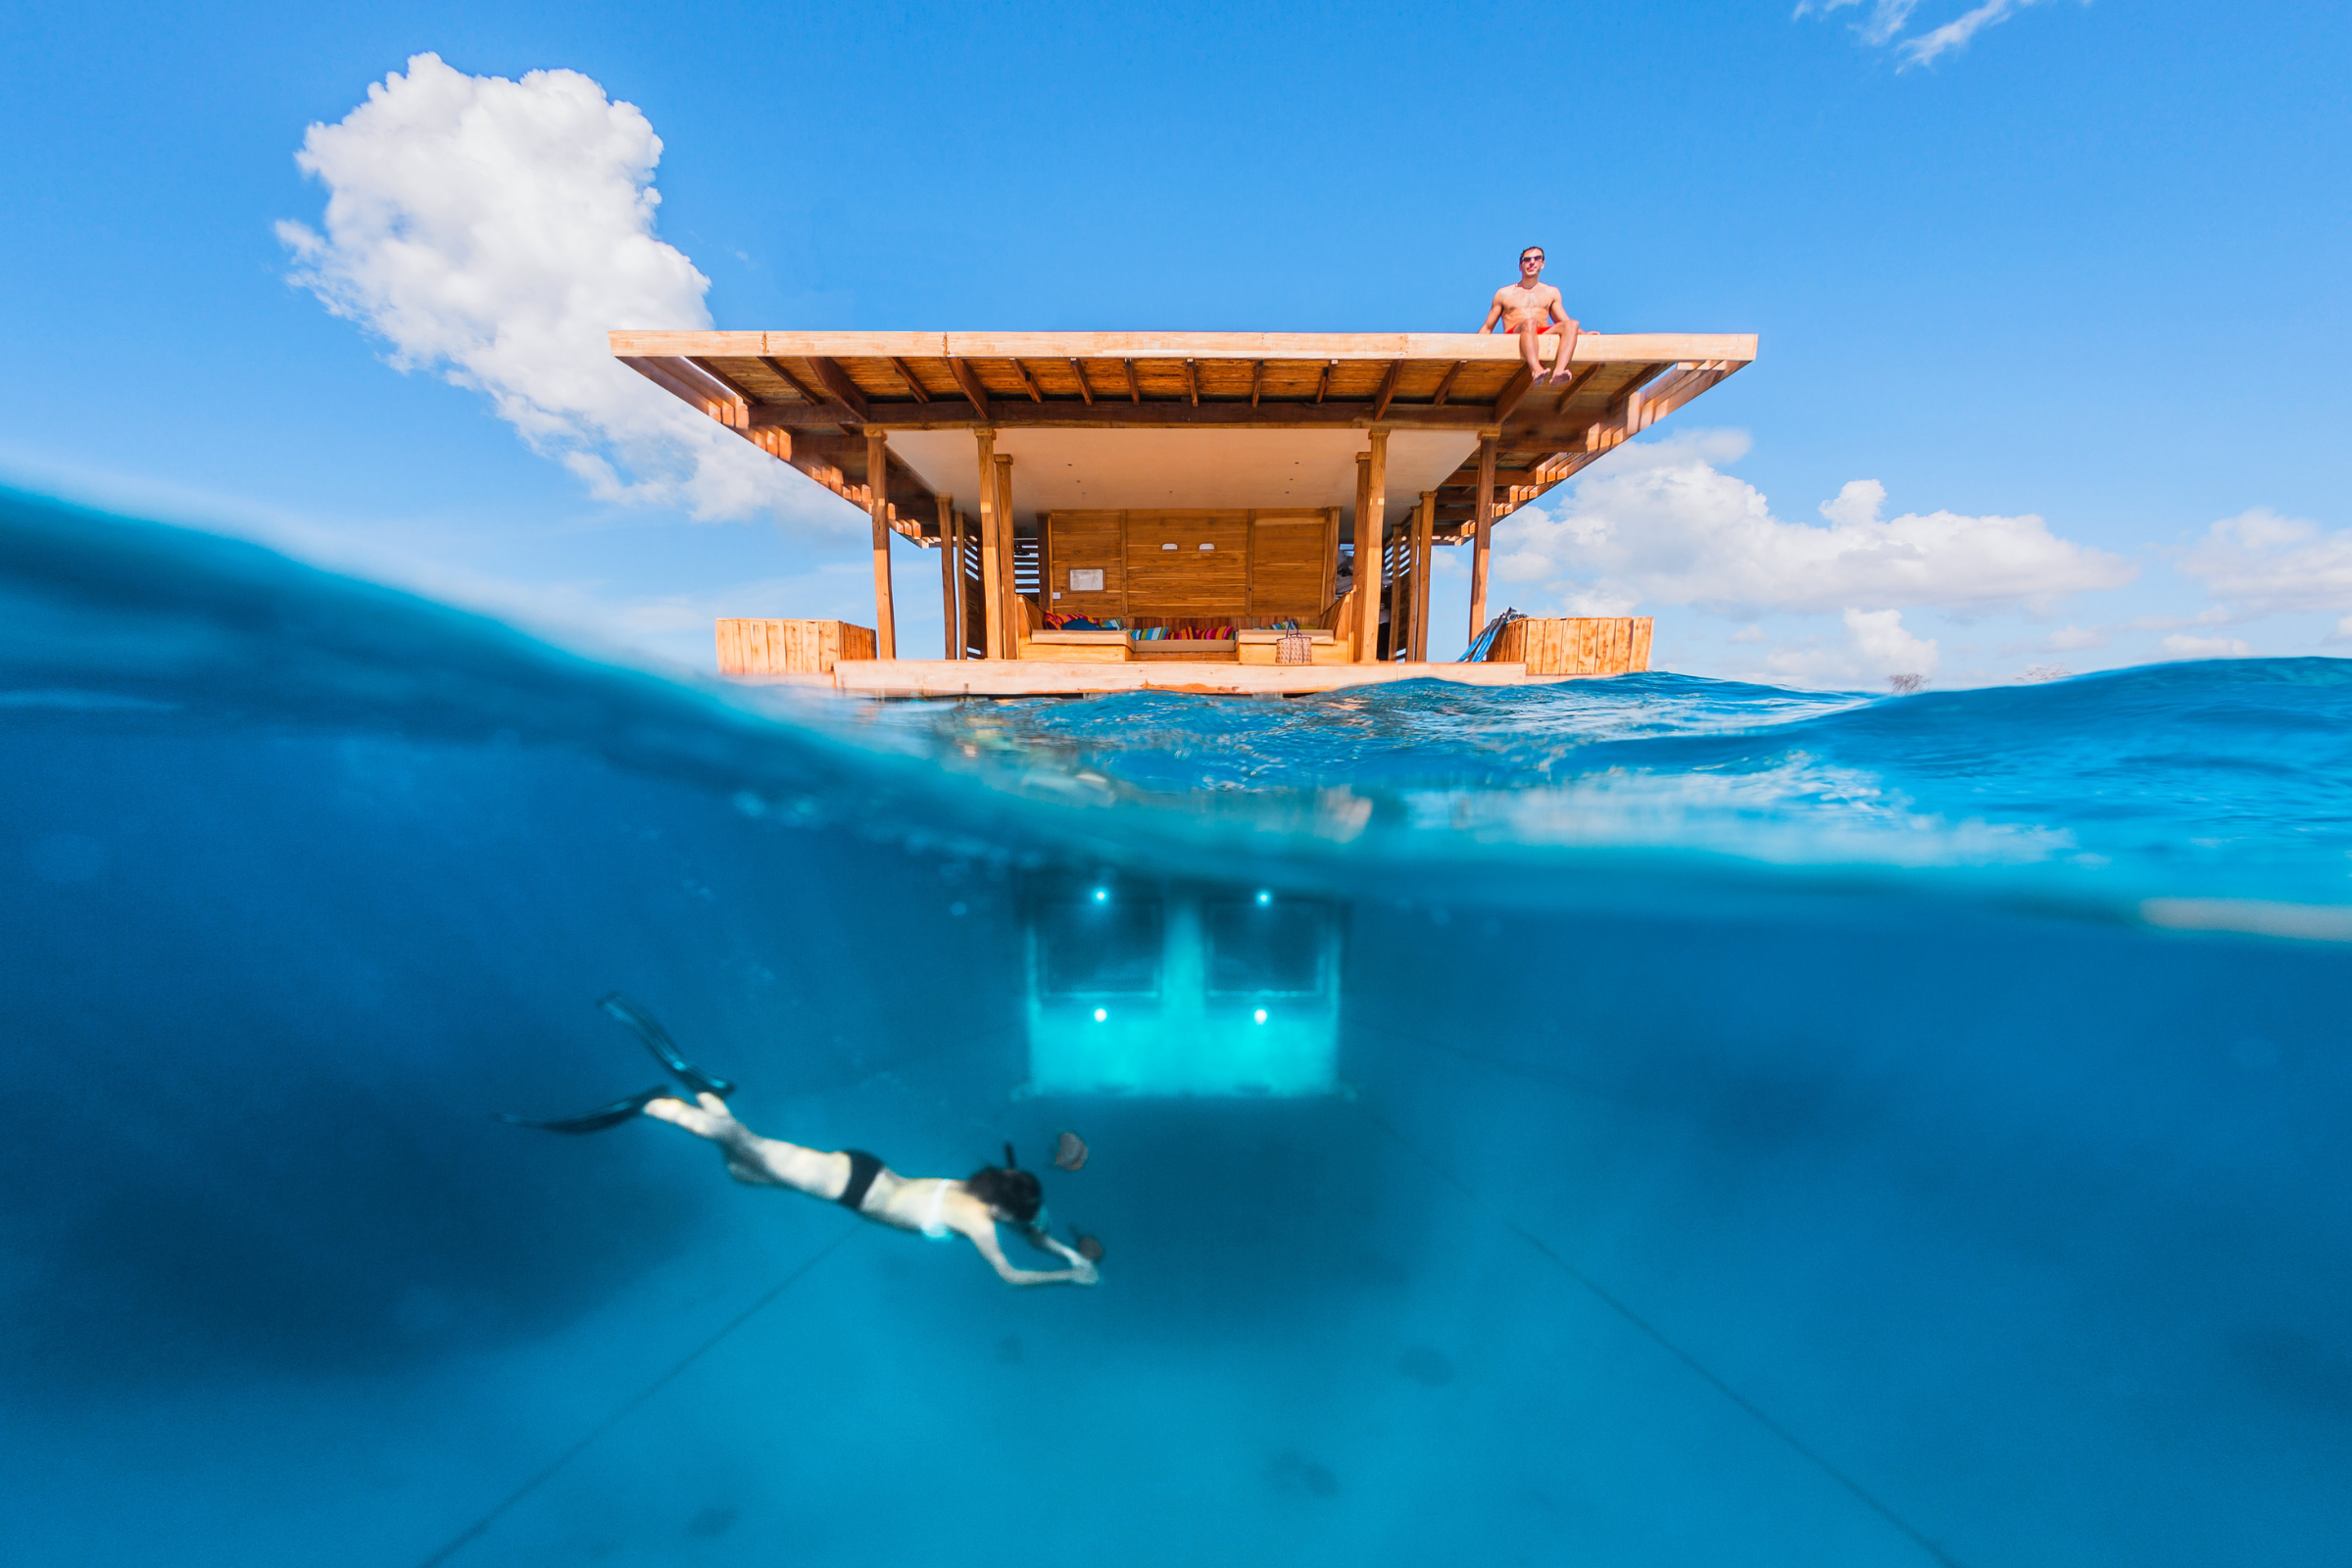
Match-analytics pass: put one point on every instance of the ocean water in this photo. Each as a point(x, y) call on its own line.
point(1764, 1127)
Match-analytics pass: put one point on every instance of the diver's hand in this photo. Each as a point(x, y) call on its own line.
point(1084, 1273)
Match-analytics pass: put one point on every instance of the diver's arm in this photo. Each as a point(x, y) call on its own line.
point(986, 1241)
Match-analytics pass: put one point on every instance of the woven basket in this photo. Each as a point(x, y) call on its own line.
point(1295, 648)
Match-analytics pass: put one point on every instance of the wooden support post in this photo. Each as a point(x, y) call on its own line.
point(1482, 525)
point(1395, 557)
point(1373, 527)
point(991, 514)
point(1016, 624)
point(1367, 559)
point(1424, 539)
point(950, 578)
point(877, 487)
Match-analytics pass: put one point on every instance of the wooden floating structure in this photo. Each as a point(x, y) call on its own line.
point(1253, 512)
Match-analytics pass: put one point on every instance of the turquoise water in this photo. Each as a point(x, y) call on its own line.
point(1764, 1128)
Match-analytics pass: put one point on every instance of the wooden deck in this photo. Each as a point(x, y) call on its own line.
point(1039, 677)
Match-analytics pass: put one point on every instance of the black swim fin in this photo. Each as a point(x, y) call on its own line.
point(597, 1120)
point(665, 1050)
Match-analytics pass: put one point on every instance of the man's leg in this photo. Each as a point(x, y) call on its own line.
point(1561, 371)
point(1527, 347)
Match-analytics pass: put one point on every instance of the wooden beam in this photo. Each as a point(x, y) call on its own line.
point(991, 515)
point(812, 395)
point(877, 471)
point(725, 381)
point(1367, 582)
point(1482, 524)
point(1422, 535)
point(906, 374)
point(1135, 390)
point(837, 382)
point(968, 379)
point(1029, 382)
point(1446, 386)
point(951, 581)
point(1016, 625)
point(1376, 501)
point(1509, 398)
point(1323, 383)
point(948, 413)
point(1388, 389)
point(1257, 379)
point(1496, 348)
point(1192, 383)
point(1078, 369)
point(700, 399)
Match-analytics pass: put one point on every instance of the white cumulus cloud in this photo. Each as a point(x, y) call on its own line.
point(2179, 646)
point(1660, 523)
point(2259, 563)
point(492, 232)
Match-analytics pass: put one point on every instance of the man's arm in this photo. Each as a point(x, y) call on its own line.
point(1081, 1273)
point(1494, 313)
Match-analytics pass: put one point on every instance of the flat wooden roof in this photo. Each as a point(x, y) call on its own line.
point(808, 397)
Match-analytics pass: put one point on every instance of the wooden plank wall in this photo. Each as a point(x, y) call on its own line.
point(1261, 566)
point(761, 647)
point(1084, 541)
point(1293, 561)
point(1188, 564)
point(1617, 645)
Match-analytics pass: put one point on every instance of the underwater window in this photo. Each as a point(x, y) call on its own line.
point(1262, 949)
point(1098, 948)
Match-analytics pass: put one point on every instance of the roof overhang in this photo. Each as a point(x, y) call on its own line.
point(1207, 419)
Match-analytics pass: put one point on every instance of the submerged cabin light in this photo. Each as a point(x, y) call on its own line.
point(1197, 975)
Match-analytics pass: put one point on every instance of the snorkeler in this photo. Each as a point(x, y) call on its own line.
point(935, 1205)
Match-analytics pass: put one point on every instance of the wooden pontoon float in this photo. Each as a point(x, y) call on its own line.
point(1254, 511)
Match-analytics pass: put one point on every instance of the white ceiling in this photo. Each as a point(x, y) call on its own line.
point(1064, 469)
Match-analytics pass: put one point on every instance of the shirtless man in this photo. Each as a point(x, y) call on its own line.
point(1532, 307)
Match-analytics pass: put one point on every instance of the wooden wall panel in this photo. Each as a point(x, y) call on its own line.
point(1206, 572)
point(1610, 645)
point(763, 647)
point(1086, 541)
point(1291, 563)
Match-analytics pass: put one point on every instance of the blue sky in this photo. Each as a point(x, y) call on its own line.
point(2068, 291)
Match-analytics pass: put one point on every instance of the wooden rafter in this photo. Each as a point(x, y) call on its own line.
point(1258, 380)
point(906, 374)
point(1035, 395)
point(1507, 400)
point(1078, 370)
point(1135, 389)
point(837, 382)
point(1323, 382)
point(1447, 385)
point(784, 374)
point(1192, 383)
point(969, 380)
point(1388, 389)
